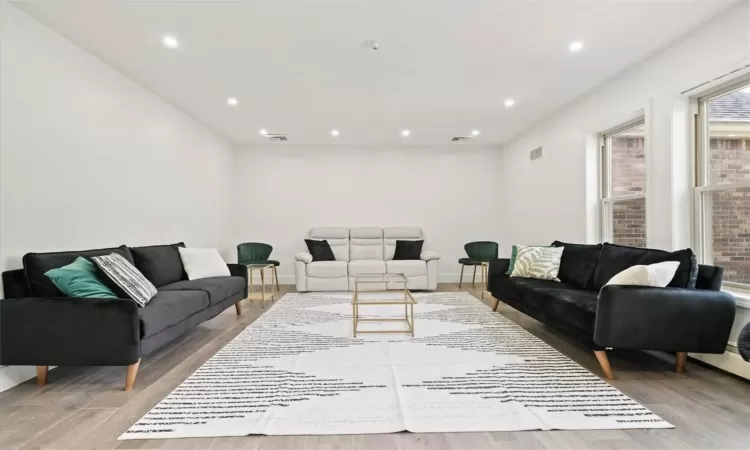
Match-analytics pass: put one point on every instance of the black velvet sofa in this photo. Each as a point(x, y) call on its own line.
point(691, 314)
point(41, 327)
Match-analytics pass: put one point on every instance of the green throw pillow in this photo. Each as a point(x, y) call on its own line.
point(513, 256)
point(78, 279)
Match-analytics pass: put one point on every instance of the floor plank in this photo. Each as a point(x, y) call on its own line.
point(85, 407)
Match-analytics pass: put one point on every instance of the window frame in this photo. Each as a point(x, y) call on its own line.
point(606, 200)
point(702, 224)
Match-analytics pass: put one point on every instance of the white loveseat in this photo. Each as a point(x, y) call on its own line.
point(363, 250)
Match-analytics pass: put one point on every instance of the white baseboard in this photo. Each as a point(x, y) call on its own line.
point(14, 375)
point(729, 361)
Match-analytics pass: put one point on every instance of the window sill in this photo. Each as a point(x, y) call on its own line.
point(742, 296)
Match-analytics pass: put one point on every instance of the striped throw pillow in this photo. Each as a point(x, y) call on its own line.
point(542, 263)
point(124, 278)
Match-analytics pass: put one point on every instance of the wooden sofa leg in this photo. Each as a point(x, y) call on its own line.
point(130, 377)
point(238, 308)
point(601, 356)
point(680, 365)
point(41, 375)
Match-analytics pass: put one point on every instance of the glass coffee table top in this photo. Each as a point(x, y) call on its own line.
point(380, 278)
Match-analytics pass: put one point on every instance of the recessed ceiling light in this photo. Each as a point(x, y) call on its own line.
point(335, 132)
point(263, 131)
point(509, 103)
point(405, 133)
point(170, 41)
point(575, 46)
point(232, 101)
point(732, 135)
point(475, 132)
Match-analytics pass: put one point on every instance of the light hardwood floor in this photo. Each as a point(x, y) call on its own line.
point(86, 408)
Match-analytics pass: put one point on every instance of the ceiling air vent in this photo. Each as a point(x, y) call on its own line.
point(460, 138)
point(535, 154)
point(277, 137)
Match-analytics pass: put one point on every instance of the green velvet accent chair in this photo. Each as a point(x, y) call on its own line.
point(257, 253)
point(478, 252)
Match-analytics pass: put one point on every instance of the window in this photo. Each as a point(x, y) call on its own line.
point(623, 186)
point(722, 194)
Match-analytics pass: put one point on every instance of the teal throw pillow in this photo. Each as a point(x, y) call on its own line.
point(513, 256)
point(78, 279)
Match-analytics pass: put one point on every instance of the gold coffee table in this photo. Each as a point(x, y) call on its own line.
point(382, 283)
point(262, 294)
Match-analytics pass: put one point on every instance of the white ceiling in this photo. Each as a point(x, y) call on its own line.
point(300, 67)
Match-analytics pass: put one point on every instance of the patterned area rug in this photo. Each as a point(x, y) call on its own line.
point(298, 370)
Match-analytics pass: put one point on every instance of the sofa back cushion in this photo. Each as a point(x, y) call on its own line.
point(393, 234)
point(578, 264)
point(337, 237)
point(613, 259)
point(366, 243)
point(35, 264)
point(160, 264)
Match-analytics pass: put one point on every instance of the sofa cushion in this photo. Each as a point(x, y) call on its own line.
point(616, 258)
point(505, 287)
point(160, 264)
point(366, 266)
point(36, 264)
point(327, 269)
point(575, 307)
point(408, 267)
point(320, 250)
point(337, 237)
point(406, 250)
point(217, 288)
point(169, 308)
point(366, 243)
point(578, 264)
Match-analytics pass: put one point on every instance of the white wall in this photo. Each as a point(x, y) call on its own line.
point(452, 192)
point(90, 159)
point(553, 204)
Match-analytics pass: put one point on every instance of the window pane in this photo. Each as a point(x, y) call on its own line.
point(628, 163)
point(629, 222)
point(729, 137)
point(729, 235)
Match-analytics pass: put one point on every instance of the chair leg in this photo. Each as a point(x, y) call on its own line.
point(461, 278)
point(601, 356)
point(680, 364)
point(473, 278)
point(497, 303)
point(130, 377)
point(41, 375)
point(238, 308)
point(276, 277)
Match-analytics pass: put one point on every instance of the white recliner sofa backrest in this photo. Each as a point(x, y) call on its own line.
point(393, 234)
point(366, 243)
point(337, 237)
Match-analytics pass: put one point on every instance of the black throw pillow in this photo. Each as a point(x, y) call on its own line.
point(408, 250)
point(320, 250)
point(578, 263)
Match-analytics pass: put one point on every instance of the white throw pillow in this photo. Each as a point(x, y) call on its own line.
point(656, 275)
point(203, 263)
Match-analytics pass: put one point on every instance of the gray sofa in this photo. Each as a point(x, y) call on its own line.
point(41, 327)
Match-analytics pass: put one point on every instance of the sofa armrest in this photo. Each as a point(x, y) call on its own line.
point(239, 270)
point(69, 331)
point(304, 257)
point(498, 267)
point(667, 319)
point(429, 255)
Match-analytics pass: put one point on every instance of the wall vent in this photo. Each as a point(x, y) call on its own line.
point(460, 138)
point(535, 154)
point(277, 137)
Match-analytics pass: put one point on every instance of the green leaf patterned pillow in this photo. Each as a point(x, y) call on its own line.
point(542, 263)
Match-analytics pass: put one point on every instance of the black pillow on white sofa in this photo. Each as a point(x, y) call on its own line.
point(320, 250)
point(408, 250)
